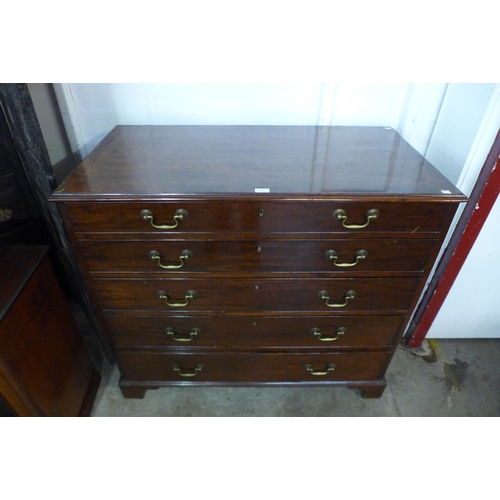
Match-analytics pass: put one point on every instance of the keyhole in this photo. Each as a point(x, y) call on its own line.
point(261, 212)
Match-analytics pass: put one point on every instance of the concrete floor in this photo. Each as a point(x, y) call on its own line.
point(445, 378)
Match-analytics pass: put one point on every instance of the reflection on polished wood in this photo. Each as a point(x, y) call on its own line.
point(156, 160)
point(45, 369)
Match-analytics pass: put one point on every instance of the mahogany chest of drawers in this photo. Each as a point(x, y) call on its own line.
point(251, 255)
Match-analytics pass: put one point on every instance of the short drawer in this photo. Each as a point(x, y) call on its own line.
point(240, 332)
point(252, 367)
point(252, 216)
point(184, 256)
point(225, 295)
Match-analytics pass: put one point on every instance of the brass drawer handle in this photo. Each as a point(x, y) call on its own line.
point(155, 255)
point(323, 295)
point(180, 214)
point(340, 214)
point(317, 333)
point(190, 294)
point(333, 256)
point(179, 338)
point(192, 373)
point(330, 367)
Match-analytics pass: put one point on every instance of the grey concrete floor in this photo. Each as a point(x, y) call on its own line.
point(443, 378)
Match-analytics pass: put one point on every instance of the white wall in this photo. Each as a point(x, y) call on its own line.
point(43, 101)
point(94, 109)
point(462, 111)
point(472, 307)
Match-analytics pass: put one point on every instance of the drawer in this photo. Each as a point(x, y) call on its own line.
point(252, 367)
point(240, 332)
point(225, 295)
point(183, 256)
point(252, 216)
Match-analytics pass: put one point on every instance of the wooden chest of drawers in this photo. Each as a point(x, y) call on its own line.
point(255, 255)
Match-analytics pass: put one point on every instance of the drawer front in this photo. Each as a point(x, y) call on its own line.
point(182, 256)
point(240, 332)
point(301, 216)
point(225, 295)
point(251, 367)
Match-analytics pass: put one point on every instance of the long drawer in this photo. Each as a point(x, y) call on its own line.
point(243, 216)
point(226, 295)
point(252, 367)
point(179, 256)
point(245, 332)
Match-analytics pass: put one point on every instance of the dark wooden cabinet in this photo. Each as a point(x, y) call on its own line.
point(255, 255)
point(45, 369)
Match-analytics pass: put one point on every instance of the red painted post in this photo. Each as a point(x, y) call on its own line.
point(479, 215)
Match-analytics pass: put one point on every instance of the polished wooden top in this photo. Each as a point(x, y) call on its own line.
point(154, 161)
